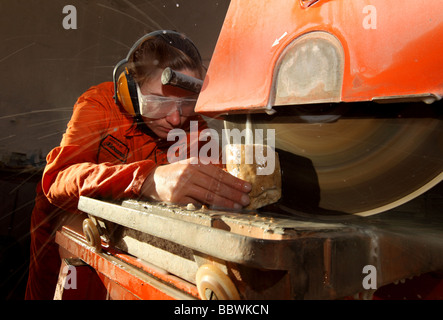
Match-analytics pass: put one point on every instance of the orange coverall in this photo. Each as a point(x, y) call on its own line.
point(103, 154)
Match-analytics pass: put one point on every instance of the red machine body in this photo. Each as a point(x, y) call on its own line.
point(382, 50)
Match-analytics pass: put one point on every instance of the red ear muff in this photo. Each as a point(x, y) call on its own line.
point(127, 93)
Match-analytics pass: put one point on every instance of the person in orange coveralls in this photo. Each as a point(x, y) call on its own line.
point(115, 147)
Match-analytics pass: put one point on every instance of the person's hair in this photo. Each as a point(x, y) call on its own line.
point(161, 51)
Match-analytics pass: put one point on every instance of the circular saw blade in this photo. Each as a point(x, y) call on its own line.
point(362, 165)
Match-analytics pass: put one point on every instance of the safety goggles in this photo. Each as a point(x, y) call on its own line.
point(157, 107)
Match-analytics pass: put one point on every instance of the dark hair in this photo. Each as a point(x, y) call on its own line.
point(164, 50)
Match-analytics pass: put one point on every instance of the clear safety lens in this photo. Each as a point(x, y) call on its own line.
point(157, 107)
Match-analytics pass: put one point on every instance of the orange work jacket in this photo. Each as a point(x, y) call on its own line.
point(103, 154)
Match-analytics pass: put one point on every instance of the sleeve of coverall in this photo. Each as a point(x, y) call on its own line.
point(72, 170)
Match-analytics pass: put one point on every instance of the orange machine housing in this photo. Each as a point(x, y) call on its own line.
point(372, 50)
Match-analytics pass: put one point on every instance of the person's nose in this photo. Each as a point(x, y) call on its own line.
point(174, 118)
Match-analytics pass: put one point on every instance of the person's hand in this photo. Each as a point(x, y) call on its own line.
point(183, 183)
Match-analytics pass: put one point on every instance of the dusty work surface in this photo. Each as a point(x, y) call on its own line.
point(327, 250)
point(252, 224)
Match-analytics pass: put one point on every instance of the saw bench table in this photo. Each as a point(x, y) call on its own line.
point(140, 250)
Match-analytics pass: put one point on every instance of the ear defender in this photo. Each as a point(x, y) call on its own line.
point(126, 93)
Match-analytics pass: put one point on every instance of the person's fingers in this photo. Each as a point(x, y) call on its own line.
point(215, 184)
point(183, 183)
point(188, 200)
point(225, 178)
point(212, 199)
